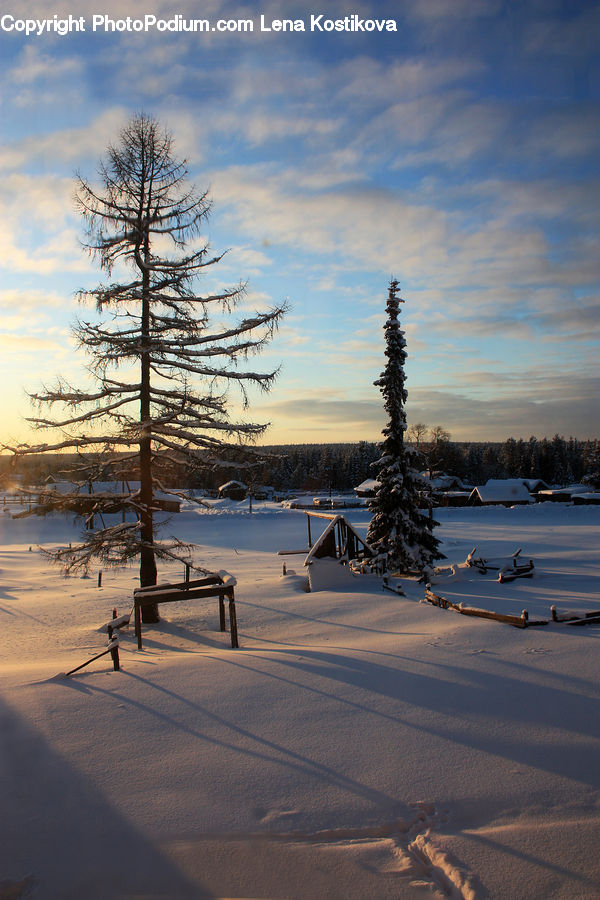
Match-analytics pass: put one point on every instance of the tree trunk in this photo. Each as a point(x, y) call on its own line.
point(147, 559)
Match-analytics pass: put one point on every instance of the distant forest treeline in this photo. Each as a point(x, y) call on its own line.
point(341, 467)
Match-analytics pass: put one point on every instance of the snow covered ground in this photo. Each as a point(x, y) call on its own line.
point(359, 744)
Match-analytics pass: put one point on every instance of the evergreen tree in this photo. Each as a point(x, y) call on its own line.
point(179, 347)
point(398, 530)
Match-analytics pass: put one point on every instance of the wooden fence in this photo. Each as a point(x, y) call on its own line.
point(522, 621)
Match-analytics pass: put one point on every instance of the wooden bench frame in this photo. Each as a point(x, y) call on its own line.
point(211, 586)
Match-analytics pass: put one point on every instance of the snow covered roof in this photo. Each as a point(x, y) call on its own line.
point(97, 487)
point(121, 488)
point(442, 482)
point(535, 484)
point(587, 497)
point(564, 492)
point(501, 490)
point(233, 484)
point(368, 486)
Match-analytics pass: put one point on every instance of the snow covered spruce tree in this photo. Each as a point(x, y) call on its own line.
point(399, 532)
point(177, 349)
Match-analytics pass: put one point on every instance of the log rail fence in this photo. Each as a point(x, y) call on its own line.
point(112, 628)
point(219, 585)
point(522, 621)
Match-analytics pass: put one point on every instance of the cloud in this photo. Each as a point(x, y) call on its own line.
point(435, 10)
point(565, 133)
point(71, 145)
point(550, 404)
point(37, 228)
point(36, 66)
point(462, 159)
point(330, 419)
point(367, 80)
point(568, 37)
point(18, 344)
point(29, 300)
point(382, 231)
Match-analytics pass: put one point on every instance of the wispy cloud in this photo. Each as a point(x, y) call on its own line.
point(461, 157)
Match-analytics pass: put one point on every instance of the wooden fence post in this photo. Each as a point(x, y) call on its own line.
point(114, 651)
point(233, 622)
point(222, 612)
point(138, 625)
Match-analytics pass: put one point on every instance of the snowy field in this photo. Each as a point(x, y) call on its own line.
point(359, 744)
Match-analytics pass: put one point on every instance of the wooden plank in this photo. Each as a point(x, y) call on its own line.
point(516, 621)
point(112, 647)
point(320, 515)
point(118, 621)
point(177, 595)
point(292, 552)
point(587, 620)
point(167, 585)
point(521, 621)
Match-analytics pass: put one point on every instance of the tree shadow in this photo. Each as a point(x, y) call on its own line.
point(565, 875)
point(241, 740)
point(320, 620)
point(61, 833)
point(466, 693)
point(197, 632)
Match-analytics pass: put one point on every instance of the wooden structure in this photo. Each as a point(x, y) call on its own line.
point(508, 568)
point(522, 621)
point(340, 541)
point(112, 628)
point(220, 585)
point(588, 618)
point(233, 490)
point(367, 488)
point(329, 557)
point(501, 492)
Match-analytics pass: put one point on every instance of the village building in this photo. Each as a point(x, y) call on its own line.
point(367, 488)
point(233, 490)
point(501, 491)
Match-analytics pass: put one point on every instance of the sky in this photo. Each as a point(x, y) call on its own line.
point(458, 153)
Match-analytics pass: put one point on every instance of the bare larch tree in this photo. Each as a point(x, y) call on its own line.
point(162, 356)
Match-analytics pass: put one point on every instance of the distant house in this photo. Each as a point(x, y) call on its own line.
point(263, 492)
point(233, 490)
point(501, 491)
point(587, 497)
point(367, 488)
point(120, 490)
point(534, 485)
point(439, 481)
point(452, 498)
point(445, 490)
point(563, 494)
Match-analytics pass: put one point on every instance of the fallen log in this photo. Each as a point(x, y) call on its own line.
point(522, 621)
point(588, 618)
